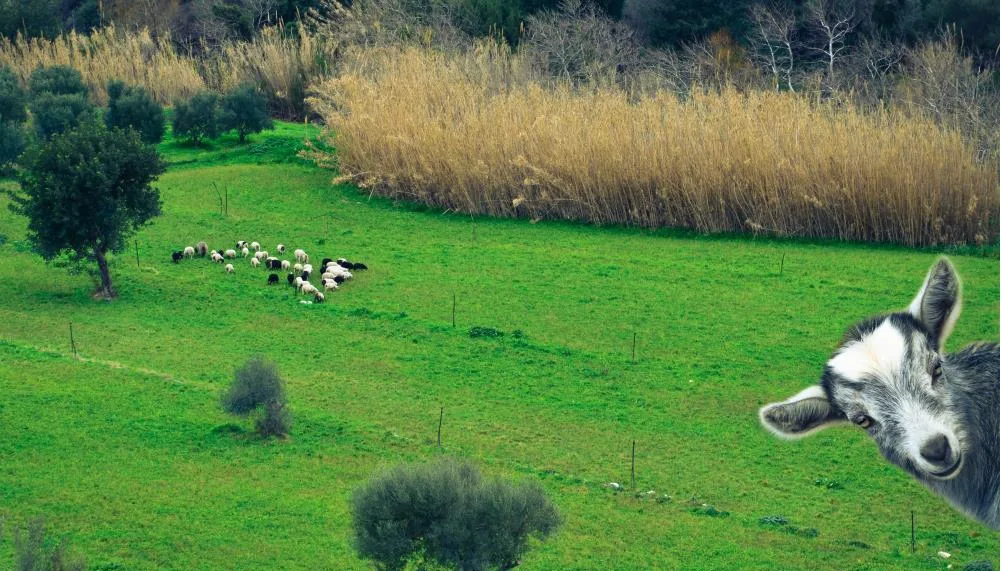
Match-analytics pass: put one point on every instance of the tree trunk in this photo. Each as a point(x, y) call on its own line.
point(102, 264)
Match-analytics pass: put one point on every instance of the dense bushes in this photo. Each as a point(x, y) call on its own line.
point(448, 513)
point(258, 388)
point(198, 117)
point(245, 110)
point(206, 115)
point(12, 117)
point(58, 100)
point(132, 106)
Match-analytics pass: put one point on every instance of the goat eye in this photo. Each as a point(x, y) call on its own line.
point(863, 420)
point(936, 372)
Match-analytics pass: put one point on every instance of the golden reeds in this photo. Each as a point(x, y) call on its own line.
point(460, 134)
point(106, 54)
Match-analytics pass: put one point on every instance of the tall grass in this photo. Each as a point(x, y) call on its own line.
point(281, 64)
point(106, 54)
point(456, 132)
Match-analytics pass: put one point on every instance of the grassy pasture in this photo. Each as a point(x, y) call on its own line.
point(127, 454)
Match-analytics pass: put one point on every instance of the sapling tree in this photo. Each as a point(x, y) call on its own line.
point(246, 110)
point(85, 192)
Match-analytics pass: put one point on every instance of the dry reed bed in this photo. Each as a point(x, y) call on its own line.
point(106, 54)
point(454, 132)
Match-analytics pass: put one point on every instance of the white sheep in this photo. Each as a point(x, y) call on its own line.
point(255, 246)
point(230, 253)
point(307, 288)
point(245, 251)
point(286, 265)
point(318, 297)
point(229, 268)
point(297, 268)
point(241, 244)
point(307, 268)
point(281, 248)
point(297, 282)
point(260, 255)
point(255, 262)
point(189, 252)
point(329, 284)
point(327, 276)
point(301, 256)
point(216, 257)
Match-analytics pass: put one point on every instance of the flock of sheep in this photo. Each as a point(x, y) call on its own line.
point(333, 272)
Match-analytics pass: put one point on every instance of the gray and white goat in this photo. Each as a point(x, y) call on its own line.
point(933, 414)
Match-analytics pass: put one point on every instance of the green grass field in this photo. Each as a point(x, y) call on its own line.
point(127, 454)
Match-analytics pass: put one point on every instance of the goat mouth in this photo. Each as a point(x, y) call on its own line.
point(950, 471)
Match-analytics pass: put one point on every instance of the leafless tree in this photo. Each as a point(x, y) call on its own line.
point(774, 25)
point(835, 21)
point(264, 12)
point(580, 44)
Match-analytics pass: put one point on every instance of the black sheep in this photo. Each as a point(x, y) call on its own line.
point(290, 279)
point(177, 256)
point(339, 279)
point(360, 266)
point(272, 279)
point(274, 264)
point(325, 261)
point(305, 276)
point(345, 264)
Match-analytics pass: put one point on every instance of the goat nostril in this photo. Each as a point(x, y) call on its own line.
point(936, 449)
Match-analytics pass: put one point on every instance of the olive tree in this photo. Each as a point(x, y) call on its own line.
point(85, 191)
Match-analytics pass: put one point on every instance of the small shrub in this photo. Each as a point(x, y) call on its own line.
point(246, 110)
point(12, 143)
point(448, 513)
point(257, 387)
point(12, 97)
point(710, 511)
point(982, 565)
point(57, 113)
point(484, 332)
point(773, 520)
point(35, 552)
point(133, 106)
point(198, 117)
point(56, 80)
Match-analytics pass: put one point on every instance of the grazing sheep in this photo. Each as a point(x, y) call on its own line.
point(342, 262)
point(245, 251)
point(286, 264)
point(274, 264)
point(216, 257)
point(260, 255)
point(176, 256)
point(326, 276)
point(325, 262)
point(329, 284)
point(202, 248)
point(300, 256)
point(230, 253)
point(297, 268)
point(229, 268)
point(290, 278)
point(932, 413)
point(308, 288)
point(339, 279)
point(318, 297)
point(307, 267)
point(281, 248)
point(304, 275)
point(255, 262)
point(360, 266)
point(297, 282)
point(272, 279)
point(255, 246)
point(241, 244)
point(189, 252)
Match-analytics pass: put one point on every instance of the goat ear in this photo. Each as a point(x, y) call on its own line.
point(939, 301)
point(807, 412)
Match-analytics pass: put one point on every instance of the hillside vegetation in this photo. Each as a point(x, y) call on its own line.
point(466, 133)
point(125, 451)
